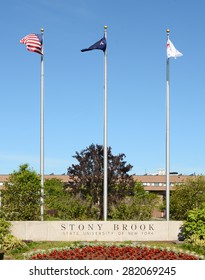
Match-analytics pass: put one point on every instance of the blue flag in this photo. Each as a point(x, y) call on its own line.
point(99, 45)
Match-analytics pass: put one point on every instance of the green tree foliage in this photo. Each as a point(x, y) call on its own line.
point(195, 223)
point(185, 197)
point(61, 204)
point(53, 193)
point(87, 176)
point(21, 195)
point(137, 207)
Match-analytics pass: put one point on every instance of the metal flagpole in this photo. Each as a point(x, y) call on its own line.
point(42, 128)
point(167, 136)
point(105, 193)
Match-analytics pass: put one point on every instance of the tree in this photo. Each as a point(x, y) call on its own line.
point(53, 192)
point(60, 204)
point(87, 176)
point(21, 195)
point(185, 197)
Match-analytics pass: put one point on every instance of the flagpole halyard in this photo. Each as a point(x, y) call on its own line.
point(105, 192)
point(42, 127)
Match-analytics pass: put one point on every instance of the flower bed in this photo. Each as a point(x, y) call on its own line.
point(113, 252)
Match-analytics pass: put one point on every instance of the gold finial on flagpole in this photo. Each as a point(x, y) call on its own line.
point(105, 31)
point(42, 29)
point(168, 31)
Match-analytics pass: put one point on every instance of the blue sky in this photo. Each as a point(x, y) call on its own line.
point(74, 83)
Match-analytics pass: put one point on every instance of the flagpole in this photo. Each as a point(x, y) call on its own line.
point(42, 128)
point(167, 136)
point(105, 193)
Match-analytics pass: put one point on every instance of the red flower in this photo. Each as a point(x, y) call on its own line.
point(113, 252)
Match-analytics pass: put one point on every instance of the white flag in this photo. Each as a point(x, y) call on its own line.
point(172, 51)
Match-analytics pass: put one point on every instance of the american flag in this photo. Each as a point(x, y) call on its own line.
point(33, 43)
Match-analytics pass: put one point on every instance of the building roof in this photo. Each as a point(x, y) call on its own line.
point(150, 182)
point(161, 178)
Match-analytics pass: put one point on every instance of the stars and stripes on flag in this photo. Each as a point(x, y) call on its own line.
point(99, 45)
point(172, 51)
point(33, 43)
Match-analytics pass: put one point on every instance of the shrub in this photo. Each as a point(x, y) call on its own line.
point(195, 243)
point(138, 207)
point(10, 242)
point(195, 223)
point(7, 240)
point(4, 229)
point(71, 207)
